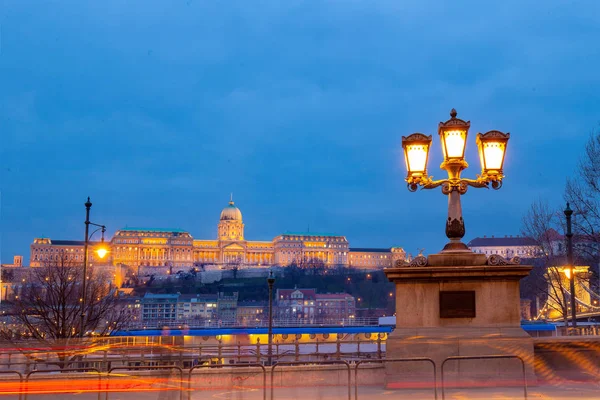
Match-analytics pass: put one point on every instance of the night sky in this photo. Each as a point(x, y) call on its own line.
point(158, 110)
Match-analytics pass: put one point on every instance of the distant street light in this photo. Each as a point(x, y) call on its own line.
point(101, 251)
point(453, 135)
point(270, 281)
point(571, 275)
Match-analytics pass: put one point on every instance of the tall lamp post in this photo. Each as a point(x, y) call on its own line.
point(270, 281)
point(569, 235)
point(100, 251)
point(453, 136)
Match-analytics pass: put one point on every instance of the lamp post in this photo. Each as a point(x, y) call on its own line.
point(101, 251)
point(453, 136)
point(270, 281)
point(569, 235)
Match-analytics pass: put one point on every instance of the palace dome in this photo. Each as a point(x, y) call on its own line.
point(231, 213)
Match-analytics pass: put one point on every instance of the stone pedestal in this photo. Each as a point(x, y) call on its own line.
point(458, 305)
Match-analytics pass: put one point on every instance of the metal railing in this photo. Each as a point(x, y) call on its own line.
point(277, 322)
point(312, 366)
point(396, 360)
point(148, 368)
point(107, 353)
point(592, 330)
point(300, 363)
point(64, 370)
point(209, 366)
point(10, 372)
point(486, 357)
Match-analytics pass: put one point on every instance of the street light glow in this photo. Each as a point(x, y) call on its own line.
point(416, 153)
point(453, 143)
point(417, 157)
point(493, 152)
point(492, 147)
point(101, 252)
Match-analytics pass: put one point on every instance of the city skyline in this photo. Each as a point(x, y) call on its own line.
point(217, 102)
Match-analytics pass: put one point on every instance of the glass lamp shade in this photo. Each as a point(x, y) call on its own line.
point(453, 135)
point(416, 153)
point(101, 252)
point(492, 148)
point(453, 143)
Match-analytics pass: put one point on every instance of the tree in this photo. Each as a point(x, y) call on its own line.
point(312, 265)
point(48, 307)
point(583, 193)
point(7, 275)
point(547, 280)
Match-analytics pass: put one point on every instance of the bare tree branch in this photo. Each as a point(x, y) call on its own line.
point(49, 304)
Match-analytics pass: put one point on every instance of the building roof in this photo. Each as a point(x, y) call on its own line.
point(286, 294)
point(148, 295)
point(369, 250)
point(231, 212)
point(70, 242)
point(288, 233)
point(551, 235)
point(502, 241)
point(333, 296)
point(154, 230)
point(199, 298)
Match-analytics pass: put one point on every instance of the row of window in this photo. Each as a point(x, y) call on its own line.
point(507, 251)
point(56, 250)
point(366, 256)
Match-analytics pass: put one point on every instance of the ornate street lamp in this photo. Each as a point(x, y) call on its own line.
point(453, 135)
point(571, 275)
point(270, 282)
point(101, 251)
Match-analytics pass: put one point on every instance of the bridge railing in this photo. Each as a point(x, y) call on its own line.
point(105, 356)
point(591, 330)
point(310, 375)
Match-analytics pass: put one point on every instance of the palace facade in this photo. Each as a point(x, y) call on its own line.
point(176, 248)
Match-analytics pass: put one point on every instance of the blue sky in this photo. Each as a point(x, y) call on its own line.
point(159, 109)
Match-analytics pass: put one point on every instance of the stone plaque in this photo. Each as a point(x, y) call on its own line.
point(457, 304)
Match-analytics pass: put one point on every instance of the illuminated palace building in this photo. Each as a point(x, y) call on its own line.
point(177, 248)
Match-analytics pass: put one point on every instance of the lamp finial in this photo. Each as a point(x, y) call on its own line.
point(453, 113)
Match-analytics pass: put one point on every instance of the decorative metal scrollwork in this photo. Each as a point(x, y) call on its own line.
point(496, 259)
point(419, 261)
point(400, 263)
point(446, 188)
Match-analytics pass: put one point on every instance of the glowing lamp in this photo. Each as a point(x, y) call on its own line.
point(453, 135)
point(416, 153)
point(567, 272)
point(101, 252)
point(492, 148)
